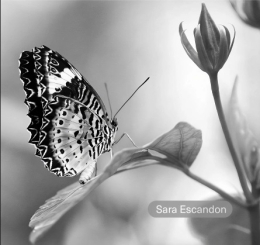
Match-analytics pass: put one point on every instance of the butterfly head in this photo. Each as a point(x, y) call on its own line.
point(114, 124)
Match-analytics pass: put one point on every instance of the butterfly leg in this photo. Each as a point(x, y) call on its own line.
point(124, 134)
point(88, 172)
point(95, 174)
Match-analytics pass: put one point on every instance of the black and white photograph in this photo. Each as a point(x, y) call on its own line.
point(130, 122)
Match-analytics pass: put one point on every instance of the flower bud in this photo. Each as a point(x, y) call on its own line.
point(248, 11)
point(213, 44)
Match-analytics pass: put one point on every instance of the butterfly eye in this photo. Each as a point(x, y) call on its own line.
point(114, 122)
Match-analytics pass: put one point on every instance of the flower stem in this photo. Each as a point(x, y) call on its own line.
point(238, 165)
point(215, 188)
point(254, 215)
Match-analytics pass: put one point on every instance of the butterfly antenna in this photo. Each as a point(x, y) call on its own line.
point(108, 100)
point(131, 96)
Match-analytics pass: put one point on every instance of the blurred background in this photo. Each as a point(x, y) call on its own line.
point(121, 43)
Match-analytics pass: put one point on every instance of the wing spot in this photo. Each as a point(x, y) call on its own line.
point(53, 70)
point(62, 151)
point(90, 143)
point(55, 62)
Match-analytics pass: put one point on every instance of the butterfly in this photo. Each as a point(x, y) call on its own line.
point(69, 127)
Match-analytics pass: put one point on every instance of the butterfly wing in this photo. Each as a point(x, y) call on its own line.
point(69, 123)
point(33, 96)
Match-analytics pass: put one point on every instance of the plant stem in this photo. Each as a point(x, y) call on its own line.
point(254, 215)
point(215, 188)
point(253, 209)
point(239, 167)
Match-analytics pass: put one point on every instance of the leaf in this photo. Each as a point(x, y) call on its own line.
point(139, 159)
point(243, 139)
point(247, 11)
point(181, 145)
point(54, 208)
point(234, 229)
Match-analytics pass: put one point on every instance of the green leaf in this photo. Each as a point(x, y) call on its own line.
point(180, 145)
point(243, 139)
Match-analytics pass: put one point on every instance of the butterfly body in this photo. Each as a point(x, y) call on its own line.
point(69, 125)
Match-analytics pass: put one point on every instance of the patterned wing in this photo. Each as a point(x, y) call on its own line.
point(33, 96)
point(69, 122)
